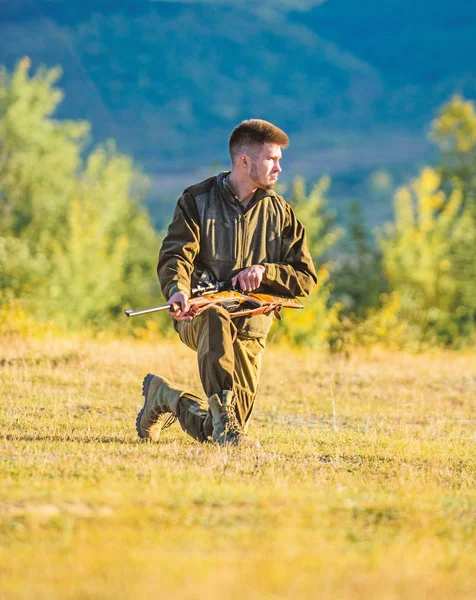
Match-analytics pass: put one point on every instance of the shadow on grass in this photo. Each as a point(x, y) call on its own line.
point(78, 439)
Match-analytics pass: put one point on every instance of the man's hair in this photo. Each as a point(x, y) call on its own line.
point(255, 132)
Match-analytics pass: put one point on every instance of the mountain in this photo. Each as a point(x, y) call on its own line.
point(355, 84)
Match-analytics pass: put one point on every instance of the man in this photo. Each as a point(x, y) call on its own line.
point(231, 227)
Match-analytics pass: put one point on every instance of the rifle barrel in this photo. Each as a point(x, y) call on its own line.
point(134, 313)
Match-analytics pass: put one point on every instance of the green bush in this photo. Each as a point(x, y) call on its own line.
point(315, 325)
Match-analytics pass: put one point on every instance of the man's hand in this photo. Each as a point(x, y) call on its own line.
point(249, 279)
point(181, 300)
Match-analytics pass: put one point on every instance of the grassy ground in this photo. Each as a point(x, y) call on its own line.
point(364, 486)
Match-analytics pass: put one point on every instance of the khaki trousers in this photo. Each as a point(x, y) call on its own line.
point(226, 361)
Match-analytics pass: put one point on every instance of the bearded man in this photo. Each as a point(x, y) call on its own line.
point(230, 227)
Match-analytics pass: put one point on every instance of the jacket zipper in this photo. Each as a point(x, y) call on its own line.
point(241, 229)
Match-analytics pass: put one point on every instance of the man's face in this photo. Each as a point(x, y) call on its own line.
point(264, 167)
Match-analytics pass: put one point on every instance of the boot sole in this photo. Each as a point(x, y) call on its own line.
point(145, 391)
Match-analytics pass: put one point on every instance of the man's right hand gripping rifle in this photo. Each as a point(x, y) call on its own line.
point(181, 312)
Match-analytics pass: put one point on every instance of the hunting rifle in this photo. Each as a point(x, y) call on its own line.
point(236, 302)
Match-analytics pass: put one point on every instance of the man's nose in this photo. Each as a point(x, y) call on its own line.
point(277, 167)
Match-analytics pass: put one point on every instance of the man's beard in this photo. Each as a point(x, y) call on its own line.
point(255, 178)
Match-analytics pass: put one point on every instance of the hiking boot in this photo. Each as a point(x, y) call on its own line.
point(160, 407)
point(226, 428)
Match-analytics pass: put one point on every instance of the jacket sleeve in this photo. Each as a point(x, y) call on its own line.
point(295, 273)
point(179, 248)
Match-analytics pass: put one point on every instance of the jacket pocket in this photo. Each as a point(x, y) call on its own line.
point(221, 240)
point(254, 327)
point(210, 226)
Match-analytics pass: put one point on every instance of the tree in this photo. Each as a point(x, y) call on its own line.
point(454, 132)
point(428, 258)
point(76, 243)
point(313, 326)
point(39, 156)
point(357, 272)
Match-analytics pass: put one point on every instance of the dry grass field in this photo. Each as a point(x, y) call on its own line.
point(364, 486)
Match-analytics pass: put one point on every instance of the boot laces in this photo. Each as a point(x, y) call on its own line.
point(170, 421)
point(157, 413)
point(231, 422)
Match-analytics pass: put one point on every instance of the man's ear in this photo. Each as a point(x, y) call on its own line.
point(244, 160)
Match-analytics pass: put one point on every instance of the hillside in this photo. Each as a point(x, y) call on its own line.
point(355, 86)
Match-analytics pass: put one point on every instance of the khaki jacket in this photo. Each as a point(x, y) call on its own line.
point(211, 236)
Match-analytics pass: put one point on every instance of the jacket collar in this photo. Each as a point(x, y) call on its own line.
point(224, 187)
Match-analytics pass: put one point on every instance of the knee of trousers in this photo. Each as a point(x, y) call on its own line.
point(217, 323)
point(217, 315)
